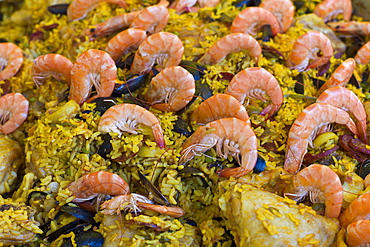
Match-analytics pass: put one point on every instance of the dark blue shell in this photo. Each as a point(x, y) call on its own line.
point(260, 165)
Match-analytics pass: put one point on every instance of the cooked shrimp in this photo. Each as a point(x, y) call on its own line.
point(136, 203)
point(306, 47)
point(231, 136)
point(363, 54)
point(352, 27)
point(322, 184)
point(127, 118)
point(182, 5)
point(219, 106)
point(11, 59)
point(78, 9)
point(152, 19)
point(97, 184)
point(304, 130)
point(340, 76)
point(171, 89)
point(164, 48)
point(251, 19)
point(92, 67)
point(358, 210)
point(113, 24)
point(283, 10)
point(347, 100)
point(208, 3)
point(54, 65)
point(231, 43)
point(367, 180)
point(125, 42)
point(329, 9)
point(357, 233)
point(253, 83)
point(13, 112)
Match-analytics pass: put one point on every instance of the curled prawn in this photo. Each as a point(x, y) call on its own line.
point(322, 184)
point(152, 19)
point(357, 233)
point(363, 54)
point(11, 59)
point(307, 47)
point(171, 89)
point(231, 43)
point(253, 83)
point(127, 118)
point(283, 11)
point(182, 5)
point(54, 65)
point(97, 184)
point(305, 127)
point(78, 9)
point(347, 100)
point(219, 106)
point(92, 67)
point(125, 42)
point(358, 210)
point(231, 136)
point(340, 76)
point(164, 48)
point(352, 27)
point(113, 24)
point(137, 203)
point(13, 112)
point(251, 19)
point(329, 9)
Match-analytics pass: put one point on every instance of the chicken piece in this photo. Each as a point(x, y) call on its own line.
point(260, 218)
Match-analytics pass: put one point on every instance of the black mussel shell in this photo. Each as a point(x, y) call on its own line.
point(217, 164)
point(246, 3)
point(195, 69)
point(79, 213)
point(86, 239)
point(203, 90)
point(58, 9)
point(130, 85)
point(126, 64)
point(298, 4)
point(260, 165)
point(130, 99)
point(182, 127)
point(64, 230)
point(106, 147)
point(36, 195)
point(104, 103)
point(266, 33)
point(363, 169)
point(151, 189)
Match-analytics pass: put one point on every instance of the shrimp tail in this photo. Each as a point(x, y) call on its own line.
point(170, 211)
point(270, 110)
point(232, 172)
point(158, 136)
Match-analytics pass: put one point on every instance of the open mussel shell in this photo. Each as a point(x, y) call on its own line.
point(260, 165)
point(58, 8)
point(106, 147)
point(182, 127)
point(131, 85)
point(36, 195)
point(363, 169)
point(126, 64)
point(151, 189)
point(104, 103)
point(246, 3)
point(75, 226)
point(79, 213)
point(86, 239)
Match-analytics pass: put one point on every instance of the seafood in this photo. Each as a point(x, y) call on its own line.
point(358, 210)
point(363, 54)
point(125, 42)
point(182, 5)
point(257, 217)
point(127, 118)
point(219, 106)
point(254, 83)
point(305, 128)
point(347, 100)
point(138, 203)
point(11, 59)
point(353, 27)
point(164, 48)
point(97, 184)
point(113, 24)
point(357, 233)
point(231, 43)
point(13, 112)
point(152, 19)
point(231, 136)
point(307, 47)
point(283, 11)
point(322, 184)
point(78, 9)
point(340, 76)
point(54, 65)
point(93, 67)
point(171, 89)
point(251, 19)
point(329, 9)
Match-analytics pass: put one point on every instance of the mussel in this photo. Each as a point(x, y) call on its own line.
point(58, 8)
point(87, 239)
point(246, 3)
point(182, 127)
point(104, 103)
point(195, 69)
point(130, 85)
point(363, 169)
point(106, 147)
point(260, 165)
point(151, 189)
